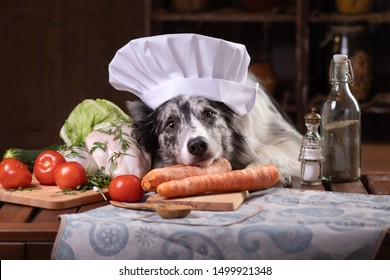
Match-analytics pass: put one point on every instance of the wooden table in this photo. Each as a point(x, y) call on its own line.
point(29, 232)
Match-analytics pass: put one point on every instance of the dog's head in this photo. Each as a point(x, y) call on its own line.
point(185, 130)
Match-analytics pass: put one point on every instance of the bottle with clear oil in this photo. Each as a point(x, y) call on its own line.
point(311, 151)
point(340, 126)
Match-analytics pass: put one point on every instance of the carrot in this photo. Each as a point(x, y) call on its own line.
point(253, 178)
point(176, 172)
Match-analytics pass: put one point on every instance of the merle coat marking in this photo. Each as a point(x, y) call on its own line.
point(192, 130)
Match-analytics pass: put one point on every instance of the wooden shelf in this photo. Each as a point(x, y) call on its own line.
point(319, 17)
point(379, 104)
point(221, 16)
point(240, 16)
point(303, 18)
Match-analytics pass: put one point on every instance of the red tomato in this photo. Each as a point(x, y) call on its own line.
point(14, 174)
point(126, 188)
point(69, 175)
point(45, 165)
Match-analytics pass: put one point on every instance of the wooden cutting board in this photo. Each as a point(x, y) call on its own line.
point(49, 197)
point(207, 202)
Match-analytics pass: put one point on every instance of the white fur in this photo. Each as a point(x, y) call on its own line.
point(260, 127)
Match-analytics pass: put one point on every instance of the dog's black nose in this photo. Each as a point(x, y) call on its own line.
point(197, 146)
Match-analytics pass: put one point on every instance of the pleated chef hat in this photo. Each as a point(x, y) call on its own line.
point(159, 68)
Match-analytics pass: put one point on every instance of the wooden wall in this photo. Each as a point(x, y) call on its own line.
point(53, 55)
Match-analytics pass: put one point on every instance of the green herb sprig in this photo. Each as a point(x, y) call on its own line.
point(23, 189)
point(98, 179)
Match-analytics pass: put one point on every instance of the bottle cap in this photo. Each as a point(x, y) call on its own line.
point(312, 117)
point(346, 73)
point(340, 57)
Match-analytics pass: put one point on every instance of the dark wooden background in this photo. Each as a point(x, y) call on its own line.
point(53, 55)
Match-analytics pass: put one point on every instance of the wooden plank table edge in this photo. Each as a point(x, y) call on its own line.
point(44, 230)
point(23, 232)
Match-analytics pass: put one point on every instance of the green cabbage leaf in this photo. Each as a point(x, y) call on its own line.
point(90, 115)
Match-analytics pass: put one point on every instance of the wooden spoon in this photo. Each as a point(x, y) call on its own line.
point(167, 211)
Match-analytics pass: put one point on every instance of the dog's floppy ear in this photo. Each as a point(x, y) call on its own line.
point(143, 124)
point(138, 111)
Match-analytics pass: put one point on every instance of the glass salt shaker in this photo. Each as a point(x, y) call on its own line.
point(311, 152)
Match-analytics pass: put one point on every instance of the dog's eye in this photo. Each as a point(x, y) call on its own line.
point(208, 114)
point(171, 124)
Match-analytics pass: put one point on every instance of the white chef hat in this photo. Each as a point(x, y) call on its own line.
point(159, 68)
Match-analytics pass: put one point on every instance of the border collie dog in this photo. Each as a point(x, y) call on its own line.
point(193, 130)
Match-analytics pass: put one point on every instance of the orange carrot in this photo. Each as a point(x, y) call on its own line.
point(253, 178)
point(158, 176)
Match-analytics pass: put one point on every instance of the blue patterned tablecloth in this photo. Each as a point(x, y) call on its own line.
point(276, 224)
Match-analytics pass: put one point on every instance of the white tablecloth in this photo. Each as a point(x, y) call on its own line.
point(276, 224)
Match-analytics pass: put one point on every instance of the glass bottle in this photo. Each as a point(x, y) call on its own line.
point(354, 41)
point(311, 153)
point(340, 125)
